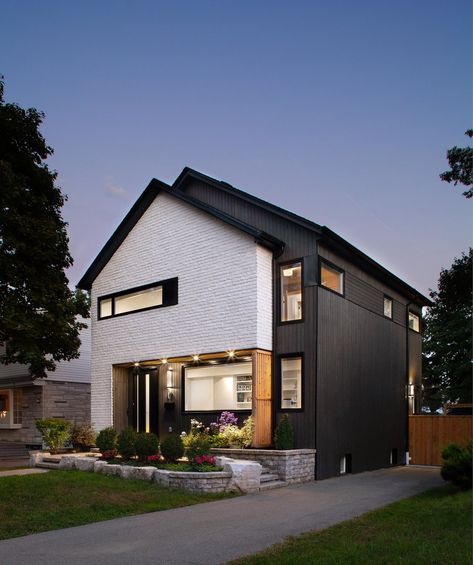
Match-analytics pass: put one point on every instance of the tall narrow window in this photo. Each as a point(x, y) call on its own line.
point(291, 292)
point(388, 307)
point(291, 383)
point(331, 277)
point(414, 322)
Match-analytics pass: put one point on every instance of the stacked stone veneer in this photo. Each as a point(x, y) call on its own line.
point(292, 465)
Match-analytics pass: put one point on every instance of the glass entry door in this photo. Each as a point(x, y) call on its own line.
point(143, 412)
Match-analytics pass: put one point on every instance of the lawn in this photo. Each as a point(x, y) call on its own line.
point(434, 527)
point(60, 499)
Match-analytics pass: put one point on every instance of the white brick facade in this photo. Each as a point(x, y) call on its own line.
point(224, 297)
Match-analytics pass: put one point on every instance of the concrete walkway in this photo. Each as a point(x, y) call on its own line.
point(215, 532)
point(12, 472)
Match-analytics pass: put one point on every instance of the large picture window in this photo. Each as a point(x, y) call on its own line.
point(331, 277)
point(218, 387)
point(146, 297)
point(291, 292)
point(291, 383)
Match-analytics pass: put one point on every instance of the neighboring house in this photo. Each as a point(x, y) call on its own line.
point(65, 393)
point(207, 299)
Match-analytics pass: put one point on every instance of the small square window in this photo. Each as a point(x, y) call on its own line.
point(414, 322)
point(331, 277)
point(388, 307)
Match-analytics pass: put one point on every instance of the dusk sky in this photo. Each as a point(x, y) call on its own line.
point(339, 111)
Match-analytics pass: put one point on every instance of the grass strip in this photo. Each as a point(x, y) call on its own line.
point(60, 499)
point(434, 527)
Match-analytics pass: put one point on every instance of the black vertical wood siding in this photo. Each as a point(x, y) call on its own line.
point(361, 405)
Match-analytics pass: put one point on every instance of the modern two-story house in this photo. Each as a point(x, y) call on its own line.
point(207, 298)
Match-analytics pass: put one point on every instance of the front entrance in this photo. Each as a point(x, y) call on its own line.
point(143, 395)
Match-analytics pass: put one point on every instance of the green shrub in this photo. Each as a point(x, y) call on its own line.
point(55, 432)
point(146, 445)
point(127, 443)
point(106, 440)
point(457, 465)
point(197, 444)
point(172, 448)
point(284, 434)
point(82, 437)
point(219, 440)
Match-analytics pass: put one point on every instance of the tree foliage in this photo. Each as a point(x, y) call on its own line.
point(460, 160)
point(447, 337)
point(38, 311)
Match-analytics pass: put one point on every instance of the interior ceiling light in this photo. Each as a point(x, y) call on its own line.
point(288, 272)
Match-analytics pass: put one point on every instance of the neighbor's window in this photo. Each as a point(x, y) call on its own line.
point(331, 277)
point(291, 382)
point(291, 292)
point(10, 408)
point(414, 322)
point(388, 307)
point(140, 298)
point(218, 387)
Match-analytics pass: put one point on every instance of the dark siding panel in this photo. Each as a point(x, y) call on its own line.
point(299, 241)
point(361, 406)
point(415, 366)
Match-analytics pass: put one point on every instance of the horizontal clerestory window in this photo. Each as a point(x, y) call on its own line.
point(147, 297)
point(331, 277)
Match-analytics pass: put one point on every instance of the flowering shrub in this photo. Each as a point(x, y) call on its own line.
point(197, 445)
point(226, 419)
point(109, 454)
point(153, 458)
point(205, 460)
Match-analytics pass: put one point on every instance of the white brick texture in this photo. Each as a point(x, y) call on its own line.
point(224, 297)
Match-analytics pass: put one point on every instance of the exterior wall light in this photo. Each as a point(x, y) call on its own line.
point(164, 361)
point(195, 357)
point(231, 353)
point(411, 390)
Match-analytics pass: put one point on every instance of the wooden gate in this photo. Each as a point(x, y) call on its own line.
point(428, 435)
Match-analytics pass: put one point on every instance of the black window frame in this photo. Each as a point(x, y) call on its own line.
point(169, 290)
point(419, 317)
point(323, 261)
point(280, 267)
point(280, 358)
point(212, 363)
point(386, 296)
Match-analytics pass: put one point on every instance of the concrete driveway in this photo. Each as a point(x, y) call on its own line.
point(215, 532)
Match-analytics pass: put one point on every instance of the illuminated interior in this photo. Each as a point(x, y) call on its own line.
point(331, 278)
point(291, 292)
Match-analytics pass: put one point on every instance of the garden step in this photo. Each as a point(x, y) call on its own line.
point(44, 465)
point(272, 484)
point(268, 477)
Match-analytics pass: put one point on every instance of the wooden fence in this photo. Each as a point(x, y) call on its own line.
point(428, 435)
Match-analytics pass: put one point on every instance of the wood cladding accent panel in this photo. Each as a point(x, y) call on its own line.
point(262, 399)
point(120, 377)
point(361, 378)
point(428, 435)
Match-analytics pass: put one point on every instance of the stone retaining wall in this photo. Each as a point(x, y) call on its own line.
point(292, 465)
point(236, 476)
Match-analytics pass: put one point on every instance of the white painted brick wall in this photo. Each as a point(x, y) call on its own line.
point(225, 297)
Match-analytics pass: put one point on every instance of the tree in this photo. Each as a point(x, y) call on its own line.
point(447, 337)
point(38, 311)
point(460, 160)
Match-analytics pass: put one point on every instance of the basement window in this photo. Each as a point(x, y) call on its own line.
point(147, 297)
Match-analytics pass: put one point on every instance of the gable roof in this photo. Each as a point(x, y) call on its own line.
point(327, 236)
point(139, 208)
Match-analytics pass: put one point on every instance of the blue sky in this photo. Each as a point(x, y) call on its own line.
point(340, 111)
